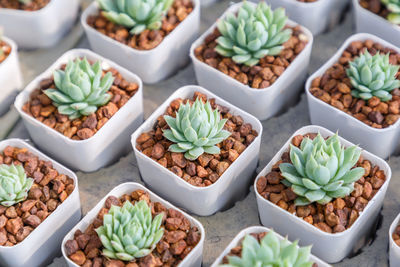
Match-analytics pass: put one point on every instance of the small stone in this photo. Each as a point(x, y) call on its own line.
point(13, 225)
point(178, 247)
point(78, 257)
point(158, 151)
point(179, 160)
point(221, 167)
point(71, 246)
point(85, 133)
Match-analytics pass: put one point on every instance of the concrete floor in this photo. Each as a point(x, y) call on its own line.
point(223, 226)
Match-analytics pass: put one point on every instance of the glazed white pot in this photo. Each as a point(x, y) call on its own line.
point(369, 22)
point(193, 259)
point(262, 103)
point(204, 201)
point(256, 230)
point(329, 247)
point(10, 72)
point(152, 65)
point(354, 130)
point(108, 144)
point(394, 249)
point(41, 28)
point(43, 243)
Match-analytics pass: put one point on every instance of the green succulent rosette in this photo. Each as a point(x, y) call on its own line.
point(14, 185)
point(394, 8)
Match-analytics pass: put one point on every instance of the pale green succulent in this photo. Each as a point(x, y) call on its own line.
point(394, 7)
point(80, 89)
point(14, 185)
point(25, 2)
point(130, 232)
point(321, 170)
point(137, 15)
point(372, 76)
point(270, 252)
point(196, 129)
point(252, 34)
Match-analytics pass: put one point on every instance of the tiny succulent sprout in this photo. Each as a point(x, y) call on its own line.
point(137, 15)
point(80, 89)
point(255, 32)
point(394, 8)
point(129, 232)
point(270, 251)
point(321, 170)
point(14, 185)
point(373, 76)
point(196, 129)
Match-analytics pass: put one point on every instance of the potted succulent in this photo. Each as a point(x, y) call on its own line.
point(154, 44)
point(39, 204)
point(114, 232)
point(78, 116)
point(352, 93)
point(323, 190)
point(378, 17)
point(37, 24)
point(316, 15)
point(263, 246)
point(253, 55)
point(198, 146)
point(394, 242)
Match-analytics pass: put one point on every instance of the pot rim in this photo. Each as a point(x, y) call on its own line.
point(357, 5)
point(25, 13)
point(14, 51)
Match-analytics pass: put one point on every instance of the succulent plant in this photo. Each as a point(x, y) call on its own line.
point(130, 232)
point(25, 2)
point(372, 76)
point(321, 170)
point(14, 185)
point(270, 251)
point(196, 129)
point(80, 89)
point(394, 7)
point(137, 15)
point(252, 34)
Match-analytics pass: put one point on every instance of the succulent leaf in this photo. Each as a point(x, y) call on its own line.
point(138, 15)
point(373, 76)
point(80, 88)
point(394, 8)
point(14, 185)
point(252, 34)
point(130, 232)
point(196, 129)
point(321, 170)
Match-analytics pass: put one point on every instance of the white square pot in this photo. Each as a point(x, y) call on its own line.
point(354, 130)
point(329, 247)
point(394, 249)
point(256, 230)
point(110, 142)
point(262, 103)
point(204, 201)
point(369, 22)
point(193, 259)
point(152, 65)
point(41, 28)
point(10, 72)
point(317, 16)
point(43, 243)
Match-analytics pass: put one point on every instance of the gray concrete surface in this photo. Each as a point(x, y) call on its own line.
point(223, 226)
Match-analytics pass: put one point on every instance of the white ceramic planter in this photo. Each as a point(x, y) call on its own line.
point(394, 249)
point(10, 72)
point(231, 186)
point(256, 230)
point(43, 244)
point(110, 142)
point(356, 131)
point(262, 103)
point(329, 247)
point(369, 22)
point(41, 28)
point(193, 259)
point(151, 65)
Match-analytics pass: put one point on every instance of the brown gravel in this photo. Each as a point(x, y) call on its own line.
point(48, 191)
point(6, 50)
point(375, 6)
point(207, 169)
point(180, 237)
point(396, 235)
point(148, 39)
point(334, 88)
point(41, 108)
point(260, 76)
point(15, 4)
point(336, 216)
